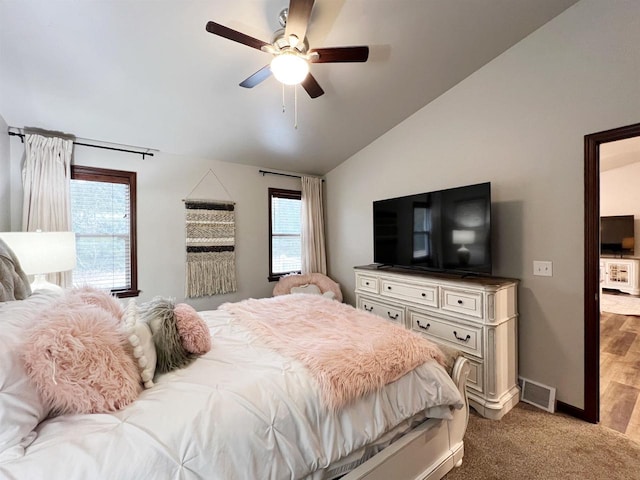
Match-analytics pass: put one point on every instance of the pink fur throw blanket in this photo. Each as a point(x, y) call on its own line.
point(349, 352)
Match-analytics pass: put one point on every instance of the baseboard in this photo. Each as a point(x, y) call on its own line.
point(572, 411)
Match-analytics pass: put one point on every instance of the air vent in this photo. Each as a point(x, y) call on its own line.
point(537, 394)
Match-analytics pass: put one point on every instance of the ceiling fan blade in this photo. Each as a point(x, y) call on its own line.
point(339, 54)
point(298, 18)
point(312, 87)
point(257, 77)
point(234, 35)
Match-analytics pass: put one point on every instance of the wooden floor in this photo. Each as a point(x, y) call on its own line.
point(620, 373)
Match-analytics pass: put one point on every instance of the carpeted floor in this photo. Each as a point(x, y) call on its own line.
point(531, 444)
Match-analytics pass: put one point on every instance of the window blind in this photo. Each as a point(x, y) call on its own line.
point(286, 243)
point(101, 219)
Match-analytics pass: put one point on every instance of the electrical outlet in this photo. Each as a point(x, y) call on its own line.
point(543, 268)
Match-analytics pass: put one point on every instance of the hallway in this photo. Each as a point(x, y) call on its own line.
point(620, 373)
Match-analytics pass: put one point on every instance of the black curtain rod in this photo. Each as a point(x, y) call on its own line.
point(21, 135)
point(267, 172)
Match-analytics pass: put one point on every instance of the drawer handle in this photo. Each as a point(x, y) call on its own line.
point(366, 283)
point(368, 309)
point(459, 302)
point(424, 294)
point(455, 334)
point(423, 327)
point(388, 287)
point(393, 317)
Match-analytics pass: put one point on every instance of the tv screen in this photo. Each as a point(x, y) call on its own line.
point(617, 235)
point(444, 230)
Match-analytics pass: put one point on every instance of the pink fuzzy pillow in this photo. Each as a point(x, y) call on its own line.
point(96, 297)
point(194, 333)
point(77, 360)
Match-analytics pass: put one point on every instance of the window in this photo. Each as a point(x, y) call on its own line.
point(285, 244)
point(103, 216)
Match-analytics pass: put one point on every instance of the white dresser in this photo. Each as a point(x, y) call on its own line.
point(620, 274)
point(476, 315)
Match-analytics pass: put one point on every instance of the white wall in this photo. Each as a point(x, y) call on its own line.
point(519, 122)
point(162, 182)
point(620, 195)
point(5, 185)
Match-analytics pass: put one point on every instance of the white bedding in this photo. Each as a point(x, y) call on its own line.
point(239, 412)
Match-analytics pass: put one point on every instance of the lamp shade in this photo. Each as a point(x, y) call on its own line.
point(463, 237)
point(43, 252)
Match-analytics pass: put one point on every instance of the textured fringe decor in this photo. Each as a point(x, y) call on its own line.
point(211, 258)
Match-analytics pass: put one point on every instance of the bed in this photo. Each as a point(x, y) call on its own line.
point(243, 410)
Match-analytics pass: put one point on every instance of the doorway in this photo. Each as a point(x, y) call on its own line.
point(592, 144)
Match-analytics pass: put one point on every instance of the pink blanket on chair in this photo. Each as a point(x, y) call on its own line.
point(348, 351)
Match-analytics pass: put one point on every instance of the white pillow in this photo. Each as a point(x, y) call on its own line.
point(307, 288)
point(21, 408)
point(140, 338)
point(329, 294)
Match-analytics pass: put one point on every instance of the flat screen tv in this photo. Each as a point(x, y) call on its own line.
point(445, 230)
point(617, 235)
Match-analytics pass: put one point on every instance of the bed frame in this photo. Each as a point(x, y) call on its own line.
point(429, 451)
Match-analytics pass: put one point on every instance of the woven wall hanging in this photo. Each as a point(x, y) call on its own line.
point(210, 231)
point(211, 256)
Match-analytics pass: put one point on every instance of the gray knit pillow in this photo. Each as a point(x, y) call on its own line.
point(159, 315)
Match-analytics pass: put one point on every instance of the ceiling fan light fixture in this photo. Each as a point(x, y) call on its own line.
point(289, 68)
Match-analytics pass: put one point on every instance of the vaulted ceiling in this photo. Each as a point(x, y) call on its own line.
point(146, 73)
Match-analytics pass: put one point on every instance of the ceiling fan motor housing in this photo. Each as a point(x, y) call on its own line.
point(281, 42)
point(282, 18)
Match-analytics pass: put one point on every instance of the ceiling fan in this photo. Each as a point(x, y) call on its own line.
point(290, 50)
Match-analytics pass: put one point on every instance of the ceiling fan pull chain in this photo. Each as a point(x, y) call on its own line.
point(295, 107)
point(283, 109)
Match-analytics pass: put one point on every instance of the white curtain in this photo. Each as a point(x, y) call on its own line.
point(314, 258)
point(46, 180)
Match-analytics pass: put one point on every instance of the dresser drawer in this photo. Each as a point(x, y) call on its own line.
point(426, 295)
point(465, 338)
point(462, 301)
point(366, 283)
point(388, 312)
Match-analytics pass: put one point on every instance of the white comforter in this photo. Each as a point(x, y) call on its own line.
point(240, 412)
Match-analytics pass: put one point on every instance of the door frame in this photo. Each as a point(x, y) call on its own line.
point(592, 142)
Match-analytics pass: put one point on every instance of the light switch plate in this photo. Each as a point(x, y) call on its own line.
point(543, 268)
